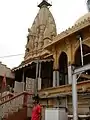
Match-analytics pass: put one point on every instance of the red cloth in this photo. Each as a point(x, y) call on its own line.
point(36, 112)
point(4, 82)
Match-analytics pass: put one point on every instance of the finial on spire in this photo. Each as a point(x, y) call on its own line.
point(44, 2)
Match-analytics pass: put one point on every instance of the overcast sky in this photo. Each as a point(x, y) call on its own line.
point(16, 16)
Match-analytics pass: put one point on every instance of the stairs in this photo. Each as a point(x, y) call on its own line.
point(14, 107)
point(21, 114)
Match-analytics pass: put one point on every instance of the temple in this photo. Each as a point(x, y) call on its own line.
point(49, 57)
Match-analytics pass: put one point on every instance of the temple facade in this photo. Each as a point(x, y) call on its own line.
point(49, 58)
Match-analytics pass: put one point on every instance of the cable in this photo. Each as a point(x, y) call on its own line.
point(11, 55)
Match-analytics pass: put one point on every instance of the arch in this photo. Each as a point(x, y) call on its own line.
point(63, 69)
point(86, 60)
point(77, 55)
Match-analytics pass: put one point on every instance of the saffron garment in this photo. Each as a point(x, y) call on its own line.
point(36, 111)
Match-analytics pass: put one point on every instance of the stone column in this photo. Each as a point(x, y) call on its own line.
point(23, 76)
point(39, 77)
point(23, 79)
point(55, 78)
point(70, 74)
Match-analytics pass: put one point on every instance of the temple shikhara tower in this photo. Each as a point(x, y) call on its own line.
point(41, 33)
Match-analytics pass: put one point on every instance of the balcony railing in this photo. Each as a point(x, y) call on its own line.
point(64, 89)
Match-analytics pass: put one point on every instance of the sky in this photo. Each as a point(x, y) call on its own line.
point(16, 16)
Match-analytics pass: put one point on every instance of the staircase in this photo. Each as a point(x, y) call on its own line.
point(15, 107)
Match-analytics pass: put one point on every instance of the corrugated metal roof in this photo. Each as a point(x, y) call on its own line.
point(34, 61)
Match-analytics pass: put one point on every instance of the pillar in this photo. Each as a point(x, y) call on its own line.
point(55, 67)
point(74, 98)
point(23, 76)
point(39, 77)
point(55, 78)
point(70, 74)
point(36, 80)
point(23, 81)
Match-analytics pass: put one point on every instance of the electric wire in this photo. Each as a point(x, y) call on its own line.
point(11, 55)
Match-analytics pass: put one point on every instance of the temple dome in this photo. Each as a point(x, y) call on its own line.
point(81, 19)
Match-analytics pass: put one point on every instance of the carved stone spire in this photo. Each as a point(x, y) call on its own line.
point(42, 31)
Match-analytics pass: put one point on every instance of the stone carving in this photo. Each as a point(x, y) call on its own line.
point(30, 45)
point(52, 26)
point(67, 43)
point(40, 40)
point(42, 31)
point(50, 30)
